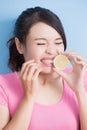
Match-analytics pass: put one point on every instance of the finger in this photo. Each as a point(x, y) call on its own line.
point(23, 71)
point(71, 59)
point(31, 72)
point(26, 68)
point(61, 73)
point(24, 65)
point(36, 74)
point(74, 58)
point(81, 63)
point(75, 55)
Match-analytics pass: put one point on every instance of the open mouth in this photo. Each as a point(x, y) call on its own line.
point(47, 62)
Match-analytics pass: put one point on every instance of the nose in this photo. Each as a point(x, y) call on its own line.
point(51, 50)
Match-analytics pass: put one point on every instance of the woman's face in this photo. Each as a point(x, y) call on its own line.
point(43, 43)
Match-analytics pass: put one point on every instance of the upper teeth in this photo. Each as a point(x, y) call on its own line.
point(47, 61)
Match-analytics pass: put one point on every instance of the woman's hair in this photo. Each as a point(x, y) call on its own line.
point(23, 24)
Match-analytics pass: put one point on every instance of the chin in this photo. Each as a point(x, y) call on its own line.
point(47, 71)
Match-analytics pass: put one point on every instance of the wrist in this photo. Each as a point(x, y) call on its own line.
point(28, 99)
point(81, 92)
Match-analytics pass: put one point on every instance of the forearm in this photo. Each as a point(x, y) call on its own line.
point(22, 117)
point(82, 100)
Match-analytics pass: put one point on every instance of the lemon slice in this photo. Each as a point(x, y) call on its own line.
point(61, 62)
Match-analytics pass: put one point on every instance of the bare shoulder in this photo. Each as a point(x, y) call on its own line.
point(4, 116)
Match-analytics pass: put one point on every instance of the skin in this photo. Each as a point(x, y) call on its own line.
point(39, 52)
point(75, 79)
point(43, 43)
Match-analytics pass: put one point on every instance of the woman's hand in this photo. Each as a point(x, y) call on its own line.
point(29, 78)
point(75, 78)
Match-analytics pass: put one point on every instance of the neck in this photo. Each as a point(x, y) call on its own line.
point(50, 79)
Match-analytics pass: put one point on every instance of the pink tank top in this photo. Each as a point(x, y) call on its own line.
point(63, 115)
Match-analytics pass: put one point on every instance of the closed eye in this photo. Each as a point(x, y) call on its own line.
point(40, 43)
point(58, 43)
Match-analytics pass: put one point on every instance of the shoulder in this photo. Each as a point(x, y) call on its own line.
point(10, 84)
point(6, 78)
point(11, 90)
point(8, 75)
point(5, 86)
point(8, 81)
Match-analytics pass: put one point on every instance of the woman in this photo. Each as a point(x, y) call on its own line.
point(31, 97)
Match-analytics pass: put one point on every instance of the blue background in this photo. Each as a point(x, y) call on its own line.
point(73, 14)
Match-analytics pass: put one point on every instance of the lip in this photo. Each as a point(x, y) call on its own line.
point(47, 61)
point(47, 58)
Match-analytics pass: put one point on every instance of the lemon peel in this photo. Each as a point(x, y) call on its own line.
point(61, 62)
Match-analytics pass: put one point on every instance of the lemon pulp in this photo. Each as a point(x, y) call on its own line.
point(61, 62)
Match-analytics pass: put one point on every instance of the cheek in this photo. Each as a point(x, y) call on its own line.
point(60, 49)
point(33, 54)
point(28, 54)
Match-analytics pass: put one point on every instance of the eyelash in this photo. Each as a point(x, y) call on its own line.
point(59, 43)
point(40, 43)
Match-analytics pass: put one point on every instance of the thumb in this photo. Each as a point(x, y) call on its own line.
point(61, 73)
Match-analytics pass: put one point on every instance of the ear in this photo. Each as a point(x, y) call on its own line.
point(19, 46)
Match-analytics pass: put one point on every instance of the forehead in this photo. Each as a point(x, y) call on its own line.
point(43, 30)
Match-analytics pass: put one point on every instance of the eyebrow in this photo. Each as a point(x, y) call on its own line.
point(39, 39)
point(46, 39)
point(58, 38)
